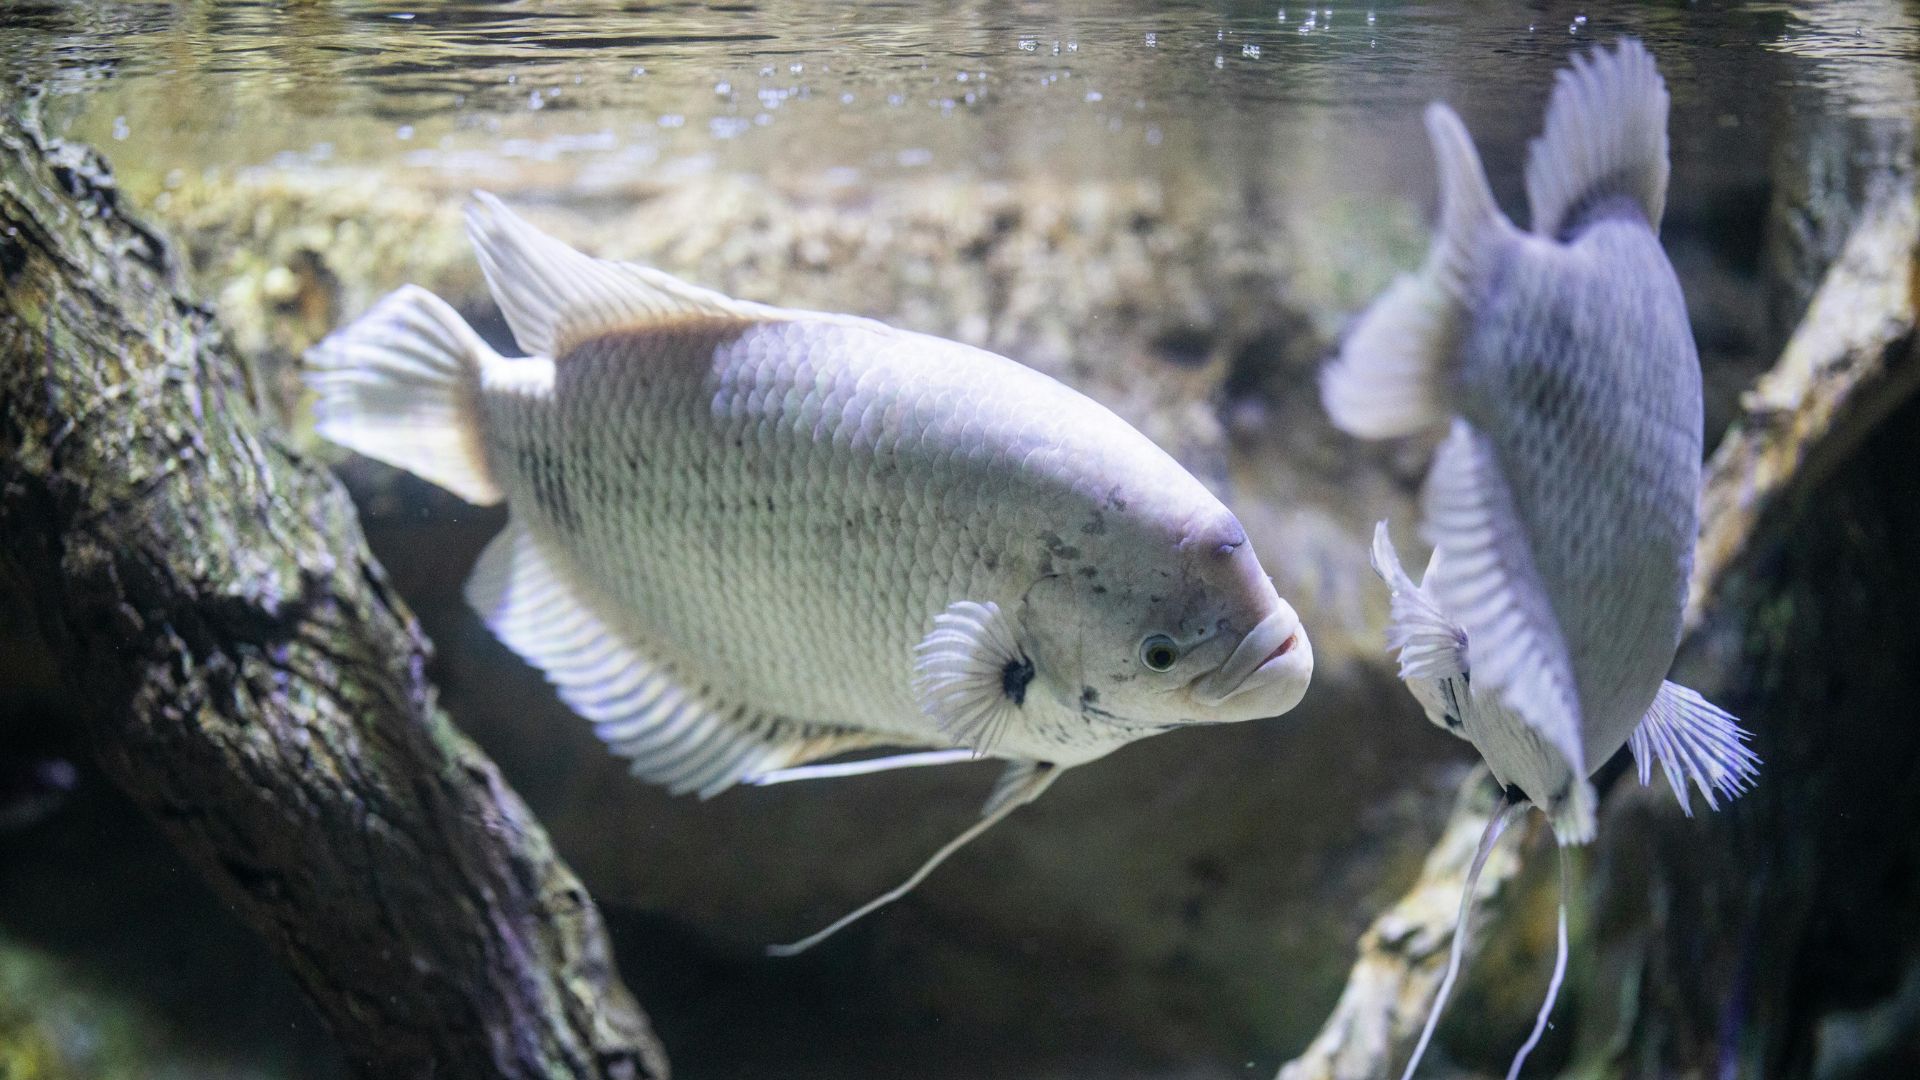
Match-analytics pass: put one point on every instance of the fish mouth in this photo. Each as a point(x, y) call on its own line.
point(1268, 670)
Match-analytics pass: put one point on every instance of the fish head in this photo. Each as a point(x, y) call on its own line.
point(1170, 624)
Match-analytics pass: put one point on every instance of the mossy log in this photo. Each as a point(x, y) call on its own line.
point(253, 683)
point(1703, 947)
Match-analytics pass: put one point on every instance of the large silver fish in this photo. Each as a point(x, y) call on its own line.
point(744, 538)
point(1561, 505)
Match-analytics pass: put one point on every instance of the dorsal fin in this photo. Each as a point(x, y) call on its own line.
point(1605, 139)
point(554, 297)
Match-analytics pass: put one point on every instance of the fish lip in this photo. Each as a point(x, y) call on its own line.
point(1276, 643)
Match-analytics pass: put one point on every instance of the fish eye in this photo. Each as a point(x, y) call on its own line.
point(1158, 652)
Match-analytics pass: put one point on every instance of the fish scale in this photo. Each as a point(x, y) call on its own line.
point(773, 598)
point(1601, 458)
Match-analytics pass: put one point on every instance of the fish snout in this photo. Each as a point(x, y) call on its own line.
point(1267, 673)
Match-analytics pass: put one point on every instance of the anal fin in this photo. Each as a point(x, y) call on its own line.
point(1487, 582)
point(677, 735)
point(1696, 741)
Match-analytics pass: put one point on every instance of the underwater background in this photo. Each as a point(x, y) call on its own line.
point(1176, 208)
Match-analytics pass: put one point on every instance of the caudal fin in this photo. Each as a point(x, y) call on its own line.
point(1605, 141)
point(1393, 372)
point(402, 385)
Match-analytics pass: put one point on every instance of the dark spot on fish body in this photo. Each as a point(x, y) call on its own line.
point(1088, 695)
point(1015, 677)
point(1089, 572)
point(1095, 525)
point(1099, 590)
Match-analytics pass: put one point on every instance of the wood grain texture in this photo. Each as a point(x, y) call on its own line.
point(253, 682)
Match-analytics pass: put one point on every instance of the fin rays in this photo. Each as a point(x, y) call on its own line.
point(1606, 136)
point(555, 297)
point(1696, 741)
point(687, 740)
point(1488, 583)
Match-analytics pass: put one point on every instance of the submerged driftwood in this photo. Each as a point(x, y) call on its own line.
point(1717, 944)
point(253, 682)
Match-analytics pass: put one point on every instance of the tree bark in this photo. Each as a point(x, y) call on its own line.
point(1705, 948)
point(255, 685)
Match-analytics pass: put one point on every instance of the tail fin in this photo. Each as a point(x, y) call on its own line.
point(1391, 377)
point(1606, 139)
point(402, 385)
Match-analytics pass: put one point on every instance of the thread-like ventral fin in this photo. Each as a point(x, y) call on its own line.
point(970, 673)
point(401, 384)
point(555, 297)
point(1605, 140)
point(677, 733)
point(1554, 981)
point(1020, 784)
point(1504, 814)
point(1694, 740)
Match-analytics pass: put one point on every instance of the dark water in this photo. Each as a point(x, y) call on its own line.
point(1244, 106)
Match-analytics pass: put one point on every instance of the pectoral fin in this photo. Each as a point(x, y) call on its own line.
point(1429, 645)
point(1693, 740)
point(971, 674)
